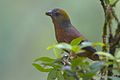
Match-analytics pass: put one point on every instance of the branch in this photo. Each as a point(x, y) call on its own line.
point(113, 40)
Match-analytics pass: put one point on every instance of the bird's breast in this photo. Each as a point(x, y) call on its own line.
point(66, 35)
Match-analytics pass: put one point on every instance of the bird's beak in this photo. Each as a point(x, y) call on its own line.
point(49, 13)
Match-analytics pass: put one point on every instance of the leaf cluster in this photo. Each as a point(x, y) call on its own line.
point(63, 67)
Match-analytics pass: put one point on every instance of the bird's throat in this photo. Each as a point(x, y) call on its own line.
point(62, 24)
point(61, 30)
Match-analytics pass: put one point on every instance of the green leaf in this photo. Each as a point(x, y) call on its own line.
point(60, 76)
point(117, 55)
point(44, 59)
point(106, 55)
point(97, 66)
point(60, 46)
point(64, 46)
point(52, 75)
point(76, 41)
point(98, 44)
point(40, 68)
point(115, 78)
point(67, 76)
point(88, 76)
point(118, 60)
point(113, 1)
point(57, 52)
point(50, 47)
point(77, 61)
point(75, 48)
point(85, 44)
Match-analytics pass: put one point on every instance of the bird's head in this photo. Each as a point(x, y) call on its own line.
point(58, 16)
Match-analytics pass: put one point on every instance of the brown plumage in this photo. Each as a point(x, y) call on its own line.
point(66, 32)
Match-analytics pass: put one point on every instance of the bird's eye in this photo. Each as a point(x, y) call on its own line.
point(57, 14)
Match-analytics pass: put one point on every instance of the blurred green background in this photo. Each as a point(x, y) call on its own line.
point(25, 32)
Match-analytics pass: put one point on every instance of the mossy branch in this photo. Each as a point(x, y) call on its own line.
point(113, 40)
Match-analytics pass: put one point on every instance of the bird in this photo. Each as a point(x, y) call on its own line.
point(66, 32)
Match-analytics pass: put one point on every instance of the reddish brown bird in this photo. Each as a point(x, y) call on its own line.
point(66, 32)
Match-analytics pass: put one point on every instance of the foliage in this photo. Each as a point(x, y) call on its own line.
point(68, 67)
